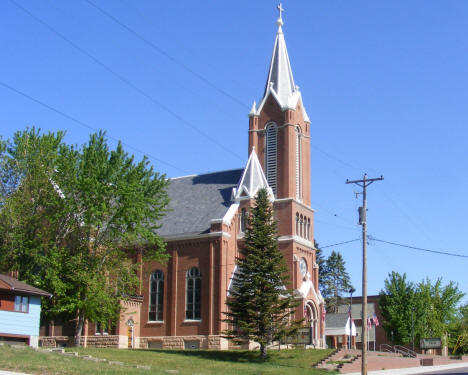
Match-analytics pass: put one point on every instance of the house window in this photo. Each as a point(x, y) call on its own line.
point(270, 155)
point(193, 297)
point(22, 304)
point(156, 296)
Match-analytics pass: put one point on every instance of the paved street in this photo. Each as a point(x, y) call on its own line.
point(458, 371)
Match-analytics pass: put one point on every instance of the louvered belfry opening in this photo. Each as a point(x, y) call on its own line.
point(298, 165)
point(271, 155)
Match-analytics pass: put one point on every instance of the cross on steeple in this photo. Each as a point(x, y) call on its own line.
point(281, 10)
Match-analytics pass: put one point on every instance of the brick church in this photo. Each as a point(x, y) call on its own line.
point(181, 303)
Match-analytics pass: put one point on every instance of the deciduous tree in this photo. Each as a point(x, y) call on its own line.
point(76, 220)
point(413, 311)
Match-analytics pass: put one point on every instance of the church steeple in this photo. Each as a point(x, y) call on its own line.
point(280, 77)
point(280, 80)
point(279, 128)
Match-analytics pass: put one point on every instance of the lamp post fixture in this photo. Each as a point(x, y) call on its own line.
point(351, 291)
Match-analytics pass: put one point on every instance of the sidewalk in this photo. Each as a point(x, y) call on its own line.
point(412, 370)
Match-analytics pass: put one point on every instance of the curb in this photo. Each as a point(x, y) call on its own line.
point(413, 370)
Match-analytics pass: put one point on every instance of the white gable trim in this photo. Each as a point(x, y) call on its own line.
point(227, 219)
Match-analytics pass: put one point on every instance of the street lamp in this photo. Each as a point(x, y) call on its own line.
point(351, 291)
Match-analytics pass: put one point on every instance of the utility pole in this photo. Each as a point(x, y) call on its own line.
point(364, 183)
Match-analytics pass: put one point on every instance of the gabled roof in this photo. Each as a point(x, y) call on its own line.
point(12, 285)
point(197, 199)
point(253, 179)
point(280, 82)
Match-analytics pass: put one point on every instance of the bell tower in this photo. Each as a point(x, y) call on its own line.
point(279, 128)
point(279, 145)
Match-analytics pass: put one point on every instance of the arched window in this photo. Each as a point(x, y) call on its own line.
point(243, 220)
point(271, 155)
point(301, 226)
point(298, 165)
point(308, 229)
point(193, 295)
point(156, 296)
point(297, 224)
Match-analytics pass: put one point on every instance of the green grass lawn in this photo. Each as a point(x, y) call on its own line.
point(195, 362)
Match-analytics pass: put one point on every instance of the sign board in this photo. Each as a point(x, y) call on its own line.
point(302, 337)
point(432, 343)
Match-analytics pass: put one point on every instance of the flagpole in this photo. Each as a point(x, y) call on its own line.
point(368, 320)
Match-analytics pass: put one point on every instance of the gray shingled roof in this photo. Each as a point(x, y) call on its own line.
point(195, 200)
point(336, 320)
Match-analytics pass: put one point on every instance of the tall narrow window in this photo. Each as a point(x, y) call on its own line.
point(298, 165)
point(301, 226)
point(193, 297)
point(271, 155)
point(297, 224)
point(243, 220)
point(308, 229)
point(156, 296)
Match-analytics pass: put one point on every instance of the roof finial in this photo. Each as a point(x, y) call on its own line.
point(280, 19)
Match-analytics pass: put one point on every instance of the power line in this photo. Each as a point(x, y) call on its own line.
point(418, 248)
point(340, 243)
point(165, 54)
point(79, 122)
point(125, 80)
point(335, 225)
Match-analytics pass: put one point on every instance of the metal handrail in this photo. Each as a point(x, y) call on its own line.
point(386, 348)
point(405, 351)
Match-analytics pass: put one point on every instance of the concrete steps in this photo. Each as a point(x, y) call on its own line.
point(338, 359)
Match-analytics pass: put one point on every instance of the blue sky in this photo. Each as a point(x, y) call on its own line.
point(384, 83)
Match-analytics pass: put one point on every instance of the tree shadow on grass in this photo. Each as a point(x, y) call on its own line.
point(217, 355)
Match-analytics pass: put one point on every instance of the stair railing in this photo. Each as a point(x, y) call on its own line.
point(405, 351)
point(386, 348)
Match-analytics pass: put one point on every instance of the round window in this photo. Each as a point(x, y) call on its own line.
point(303, 266)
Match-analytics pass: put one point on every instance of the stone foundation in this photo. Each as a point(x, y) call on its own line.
point(180, 342)
point(104, 341)
point(214, 342)
point(55, 341)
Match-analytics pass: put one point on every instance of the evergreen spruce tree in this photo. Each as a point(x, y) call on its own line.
point(321, 262)
point(335, 282)
point(260, 308)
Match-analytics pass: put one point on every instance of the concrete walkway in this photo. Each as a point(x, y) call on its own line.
point(413, 370)
point(12, 373)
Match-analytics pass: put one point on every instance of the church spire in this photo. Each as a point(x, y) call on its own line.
point(280, 81)
point(280, 77)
